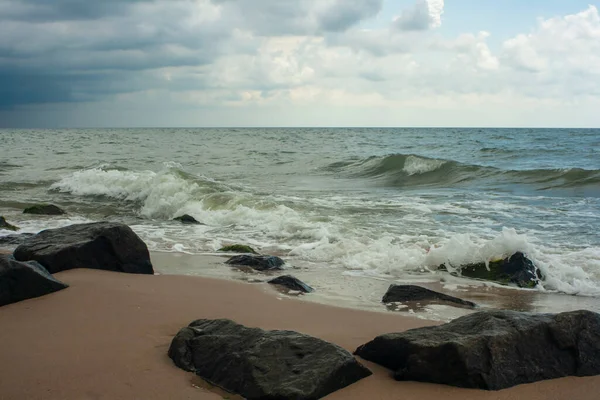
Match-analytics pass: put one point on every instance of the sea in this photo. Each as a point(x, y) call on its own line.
point(364, 203)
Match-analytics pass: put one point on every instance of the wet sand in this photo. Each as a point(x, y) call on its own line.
point(106, 337)
point(347, 289)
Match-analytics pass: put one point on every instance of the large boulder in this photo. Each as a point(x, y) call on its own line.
point(493, 350)
point(292, 283)
point(259, 364)
point(259, 263)
point(24, 280)
point(406, 293)
point(44, 209)
point(101, 245)
point(516, 269)
point(6, 225)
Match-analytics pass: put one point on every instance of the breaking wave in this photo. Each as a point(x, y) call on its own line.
point(304, 232)
point(406, 170)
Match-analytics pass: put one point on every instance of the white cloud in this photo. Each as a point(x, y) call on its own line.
point(560, 43)
point(475, 51)
point(560, 58)
point(425, 14)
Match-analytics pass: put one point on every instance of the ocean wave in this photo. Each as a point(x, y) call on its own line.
point(172, 192)
point(406, 170)
point(310, 231)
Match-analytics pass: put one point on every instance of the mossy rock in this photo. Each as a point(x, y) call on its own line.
point(238, 248)
point(7, 226)
point(516, 269)
point(44, 209)
point(187, 219)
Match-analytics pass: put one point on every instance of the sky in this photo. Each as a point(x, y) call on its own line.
point(197, 63)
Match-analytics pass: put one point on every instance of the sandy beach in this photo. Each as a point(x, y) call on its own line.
point(106, 337)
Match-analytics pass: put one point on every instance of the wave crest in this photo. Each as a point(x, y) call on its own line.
point(407, 170)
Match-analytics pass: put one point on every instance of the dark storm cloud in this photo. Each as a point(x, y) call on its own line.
point(76, 50)
point(35, 87)
point(83, 55)
point(61, 10)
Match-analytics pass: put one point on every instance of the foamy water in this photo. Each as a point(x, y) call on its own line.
point(391, 204)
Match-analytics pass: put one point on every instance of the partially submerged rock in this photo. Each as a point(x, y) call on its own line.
point(238, 248)
point(259, 364)
point(14, 240)
point(493, 350)
point(24, 280)
point(292, 283)
point(187, 219)
point(101, 245)
point(406, 293)
point(6, 225)
point(44, 209)
point(259, 263)
point(516, 269)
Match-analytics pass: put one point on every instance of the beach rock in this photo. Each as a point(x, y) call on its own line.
point(187, 219)
point(259, 263)
point(405, 293)
point(292, 283)
point(24, 280)
point(101, 245)
point(238, 248)
point(259, 364)
point(14, 240)
point(516, 269)
point(44, 209)
point(493, 350)
point(6, 225)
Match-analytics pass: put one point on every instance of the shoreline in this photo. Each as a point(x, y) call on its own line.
point(341, 288)
point(107, 335)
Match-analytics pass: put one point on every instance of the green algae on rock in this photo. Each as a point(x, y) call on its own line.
point(516, 269)
point(238, 248)
point(44, 209)
point(187, 219)
point(7, 226)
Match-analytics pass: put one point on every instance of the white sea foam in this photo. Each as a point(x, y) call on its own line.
point(395, 249)
point(563, 271)
point(416, 165)
point(166, 194)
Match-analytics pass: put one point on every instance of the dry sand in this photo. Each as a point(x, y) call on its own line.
point(106, 337)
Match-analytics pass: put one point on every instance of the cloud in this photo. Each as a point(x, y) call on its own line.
point(62, 10)
point(272, 57)
point(276, 17)
point(564, 43)
point(425, 14)
point(339, 15)
point(560, 57)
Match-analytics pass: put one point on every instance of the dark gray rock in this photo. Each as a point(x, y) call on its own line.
point(267, 365)
point(44, 209)
point(493, 350)
point(6, 225)
point(187, 219)
point(24, 280)
point(101, 245)
point(292, 283)
point(259, 263)
point(516, 269)
point(405, 293)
